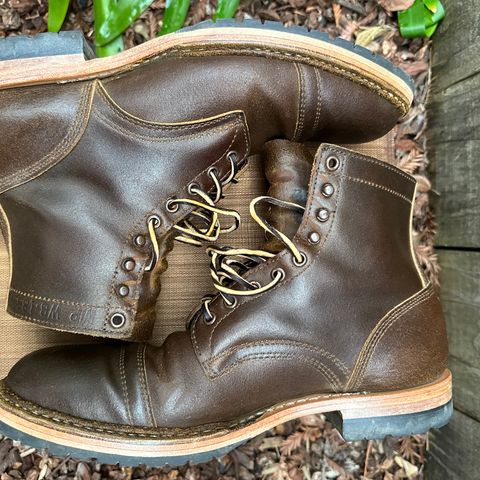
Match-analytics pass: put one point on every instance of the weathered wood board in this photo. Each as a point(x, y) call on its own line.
point(454, 152)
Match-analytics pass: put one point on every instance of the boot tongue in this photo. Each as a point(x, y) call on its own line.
point(287, 168)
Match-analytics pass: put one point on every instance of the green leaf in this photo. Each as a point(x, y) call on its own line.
point(101, 11)
point(174, 16)
point(226, 8)
point(57, 11)
point(119, 19)
point(421, 19)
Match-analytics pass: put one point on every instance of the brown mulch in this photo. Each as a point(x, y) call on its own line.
point(308, 448)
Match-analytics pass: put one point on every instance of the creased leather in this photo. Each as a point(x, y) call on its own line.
point(305, 336)
point(73, 226)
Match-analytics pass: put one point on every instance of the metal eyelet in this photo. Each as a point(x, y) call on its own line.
point(140, 240)
point(213, 171)
point(231, 305)
point(232, 156)
point(280, 271)
point(314, 238)
point(157, 221)
point(302, 262)
point(118, 320)
point(128, 264)
point(170, 206)
point(327, 190)
point(323, 215)
point(332, 163)
point(123, 290)
point(211, 320)
point(191, 187)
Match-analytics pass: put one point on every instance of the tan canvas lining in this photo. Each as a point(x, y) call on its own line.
point(183, 286)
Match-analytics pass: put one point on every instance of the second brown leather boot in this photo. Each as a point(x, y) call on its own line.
point(340, 321)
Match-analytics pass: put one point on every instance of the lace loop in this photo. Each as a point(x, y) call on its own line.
point(228, 265)
point(203, 222)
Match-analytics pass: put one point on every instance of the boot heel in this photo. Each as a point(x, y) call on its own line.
point(370, 428)
point(45, 45)
point(46, 52)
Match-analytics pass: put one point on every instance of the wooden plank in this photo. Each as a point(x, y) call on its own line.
point(460, 296)
point(454, 125)
point(456, 43)
point(454, 450)
point(454, 143)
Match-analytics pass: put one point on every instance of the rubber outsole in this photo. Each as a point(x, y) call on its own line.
point(44, 45)
point(126, 461)
point(351, 430)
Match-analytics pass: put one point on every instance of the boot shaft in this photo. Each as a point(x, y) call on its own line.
point(80, 241)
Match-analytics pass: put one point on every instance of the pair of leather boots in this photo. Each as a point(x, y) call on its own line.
point(105, 166)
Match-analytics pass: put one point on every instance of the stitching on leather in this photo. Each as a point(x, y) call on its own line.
point(143, 381)
point(146, 138)
point(323, 369)
point(55, 300)
point(318, 108)
point(124, 383)
point(116, 429)
point(274, 343)
point(380, 330)
point(314, 175)
point(193, 125)
point(74, 133)
point(147, 387)
point(238, 123)
point(374, 161)
point(380, 187)
point(328, 66)
point(301, 103)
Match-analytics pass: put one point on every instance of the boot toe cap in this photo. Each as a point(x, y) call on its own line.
point(79, 381)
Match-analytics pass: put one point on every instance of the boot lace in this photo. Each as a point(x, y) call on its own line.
point(228, 265)
point(203, 223)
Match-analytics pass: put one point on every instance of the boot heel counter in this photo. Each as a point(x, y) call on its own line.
point(408, 346)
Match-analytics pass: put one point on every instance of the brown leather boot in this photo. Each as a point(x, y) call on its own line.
point(341, 321)
point(88, 164)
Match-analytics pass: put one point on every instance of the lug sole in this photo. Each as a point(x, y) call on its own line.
point(357, 415)
point(271, 39)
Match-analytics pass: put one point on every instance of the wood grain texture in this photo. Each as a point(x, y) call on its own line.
point(454, 125)
point(454, 146)
point(454, 450)
point(461, 302)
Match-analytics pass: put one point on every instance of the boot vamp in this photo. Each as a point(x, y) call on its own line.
point(92, 382)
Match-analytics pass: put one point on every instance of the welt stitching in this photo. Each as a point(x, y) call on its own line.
point(281, 255)
point(54, 300)
point(152, 139)
point(301, 103)
point(124, 383)
point(366, 355)
point(323, 369)
point(115, 429)
point(380, 187)
point(74, 133)
point(137, 225)
point(318, 108)
point(143, 387)
point(306, 346)
point(116, 109)
point(328, 66)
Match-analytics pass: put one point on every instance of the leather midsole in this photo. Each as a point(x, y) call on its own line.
point(214, 41)
point(107, 438)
